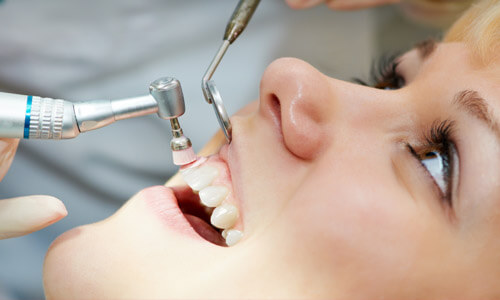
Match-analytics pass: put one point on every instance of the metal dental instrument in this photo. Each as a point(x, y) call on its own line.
point(167, 90)
point(237, 23)
point(33, 117)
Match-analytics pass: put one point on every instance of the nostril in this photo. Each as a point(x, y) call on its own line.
point(275, 107)
point(297, 99)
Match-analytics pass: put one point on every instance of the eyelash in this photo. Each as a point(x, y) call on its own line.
point(383, 73)
point(439, 138)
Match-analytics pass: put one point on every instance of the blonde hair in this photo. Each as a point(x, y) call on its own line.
point(479, 29)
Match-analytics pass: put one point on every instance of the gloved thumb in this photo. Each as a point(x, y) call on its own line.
point(23, 215)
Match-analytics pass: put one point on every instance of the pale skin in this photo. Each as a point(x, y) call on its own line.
point(333, 203)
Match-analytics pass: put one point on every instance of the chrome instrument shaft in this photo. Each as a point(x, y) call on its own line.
point(33, 117)
point(237, 23)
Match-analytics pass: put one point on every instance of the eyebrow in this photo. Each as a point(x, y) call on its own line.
point(426, 47)
point(467, 100)
point(472, 103)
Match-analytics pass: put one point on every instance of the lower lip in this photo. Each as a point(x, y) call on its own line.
point(163, 203)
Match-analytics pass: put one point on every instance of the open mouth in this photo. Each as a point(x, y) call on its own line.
point(198, 215)
point(208, 203)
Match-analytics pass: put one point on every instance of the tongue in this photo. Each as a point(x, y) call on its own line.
point(205, 230)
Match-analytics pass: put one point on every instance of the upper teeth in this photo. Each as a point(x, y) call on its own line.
point(224, 215)
point(199, 178)
point(212, 196)
point(232, 236)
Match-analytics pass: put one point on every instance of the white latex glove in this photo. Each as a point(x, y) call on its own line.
point(23, 215)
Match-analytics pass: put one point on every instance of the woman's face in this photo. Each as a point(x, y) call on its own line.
point(344, 191)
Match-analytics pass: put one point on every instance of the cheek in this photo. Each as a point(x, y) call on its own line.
point(354, 222)
point(356, 210)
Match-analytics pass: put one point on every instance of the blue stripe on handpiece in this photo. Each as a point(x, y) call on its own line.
point(27, 119)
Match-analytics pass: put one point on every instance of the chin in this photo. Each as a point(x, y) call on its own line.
point(64, 265)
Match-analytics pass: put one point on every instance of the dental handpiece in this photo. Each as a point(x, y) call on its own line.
point(33, 117)
point(168, 91)
point(237, 23)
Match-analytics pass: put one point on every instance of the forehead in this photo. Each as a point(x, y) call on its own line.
point(451, 67)
point(458, 56)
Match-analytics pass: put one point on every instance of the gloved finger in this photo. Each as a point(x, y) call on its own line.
point(300, 4)
point(23, 215)
point(7, 150)
point(357, 4)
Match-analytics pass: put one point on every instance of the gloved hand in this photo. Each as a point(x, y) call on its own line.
point(339, 4)
point(23, 215)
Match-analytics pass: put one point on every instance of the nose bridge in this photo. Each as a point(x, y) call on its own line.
point(366, 107)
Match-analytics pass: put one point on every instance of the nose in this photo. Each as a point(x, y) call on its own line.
point(298, 98)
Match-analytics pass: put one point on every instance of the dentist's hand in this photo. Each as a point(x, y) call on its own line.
point(339, 4)
point(23, 215)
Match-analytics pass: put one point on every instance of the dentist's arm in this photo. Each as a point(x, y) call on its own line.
point(23, 215)
point(438, 14)
point(339, 4)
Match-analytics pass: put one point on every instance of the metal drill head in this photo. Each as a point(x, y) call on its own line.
point(180, 143)
point(167, 92)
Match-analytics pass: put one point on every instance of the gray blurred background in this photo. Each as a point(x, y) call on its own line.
point(82, 50)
